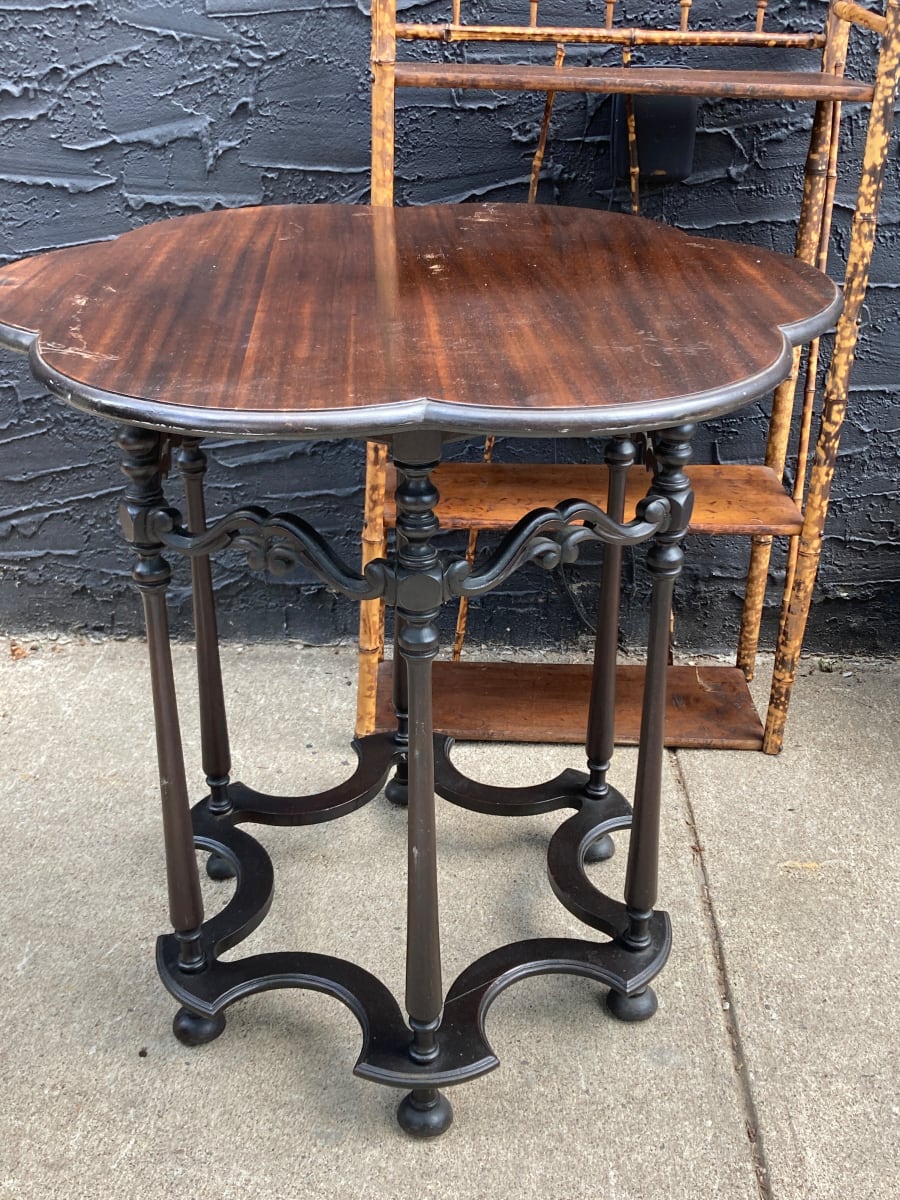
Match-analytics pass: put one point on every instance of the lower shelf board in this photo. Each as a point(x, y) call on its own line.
point(728, 499)
point(708, 706)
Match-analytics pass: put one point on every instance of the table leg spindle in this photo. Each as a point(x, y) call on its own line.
point(424, 1112)
point(397, 790)
point(664, 561)
point(215, 747)
point(600, 741)
point(142, 462)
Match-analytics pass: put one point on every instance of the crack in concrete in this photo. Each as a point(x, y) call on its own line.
point(746, 1098)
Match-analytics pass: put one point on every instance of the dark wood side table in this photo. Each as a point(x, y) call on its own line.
point(412, 326)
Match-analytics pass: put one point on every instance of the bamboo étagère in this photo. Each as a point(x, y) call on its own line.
point(490, 62)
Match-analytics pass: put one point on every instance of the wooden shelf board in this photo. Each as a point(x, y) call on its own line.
point(657, 81)
point(708, 706)
point(735, 499)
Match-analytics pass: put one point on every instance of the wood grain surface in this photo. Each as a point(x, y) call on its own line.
point(706, 706)
point(728, 499)
point(634, 81)
point(337, 320)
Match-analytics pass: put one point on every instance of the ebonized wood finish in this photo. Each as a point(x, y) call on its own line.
point(413, 326)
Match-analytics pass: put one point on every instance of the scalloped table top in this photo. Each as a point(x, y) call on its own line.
point(337, 320)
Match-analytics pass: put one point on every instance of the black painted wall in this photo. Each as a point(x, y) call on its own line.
point(112, 115)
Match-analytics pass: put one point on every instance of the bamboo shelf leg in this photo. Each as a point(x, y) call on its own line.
point(812, 231)
point(862, 241)
point(799, 491)
point(813, 235)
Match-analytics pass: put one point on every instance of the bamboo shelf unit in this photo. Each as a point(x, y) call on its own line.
point(710, 706)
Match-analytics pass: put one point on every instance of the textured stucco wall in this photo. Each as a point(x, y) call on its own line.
point(113, 115)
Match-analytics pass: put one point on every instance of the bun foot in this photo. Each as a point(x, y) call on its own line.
point(219, 868)
point(397, 791)
point(601, 850)
point(193, 1030)
point(425, 1113)
point(639, 1007)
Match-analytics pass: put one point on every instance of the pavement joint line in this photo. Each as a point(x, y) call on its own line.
point(747, 1100)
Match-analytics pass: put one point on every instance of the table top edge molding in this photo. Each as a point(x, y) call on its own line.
point(468, 320)
point(383, 421)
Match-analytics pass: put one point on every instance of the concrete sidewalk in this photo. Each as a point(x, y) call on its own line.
point(771, 1068)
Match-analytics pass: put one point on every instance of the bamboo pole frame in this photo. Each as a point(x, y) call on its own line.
point(837, 386)
point(812, 245)
point(813, 234)
point(593, 35)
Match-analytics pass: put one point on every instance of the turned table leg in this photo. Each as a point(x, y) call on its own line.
point(142, 462)
point(424, 1112)
point(601, 729)
point(397, 790)
point(664, 561)
point(214, 743)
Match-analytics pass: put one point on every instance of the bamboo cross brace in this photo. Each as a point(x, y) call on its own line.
point(538, 161)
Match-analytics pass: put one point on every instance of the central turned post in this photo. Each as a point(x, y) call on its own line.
point(424, 1112)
